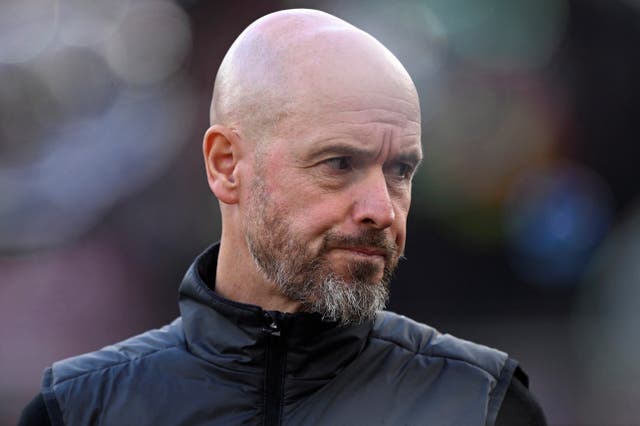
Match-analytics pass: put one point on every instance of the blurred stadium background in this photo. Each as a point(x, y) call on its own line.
point(525, 229)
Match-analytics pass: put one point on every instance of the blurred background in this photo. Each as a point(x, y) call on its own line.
point(525, 228)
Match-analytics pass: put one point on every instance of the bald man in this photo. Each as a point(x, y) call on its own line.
point(314, 140)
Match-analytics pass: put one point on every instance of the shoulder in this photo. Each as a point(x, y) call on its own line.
point(437, 369)
point(75, 389)
point(133, 350)
point(421, 340)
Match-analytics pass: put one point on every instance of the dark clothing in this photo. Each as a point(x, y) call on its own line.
point(35, 413)
point(519, 408)
point(224, 362)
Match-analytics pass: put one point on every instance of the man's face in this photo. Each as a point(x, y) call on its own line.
point(326, 216)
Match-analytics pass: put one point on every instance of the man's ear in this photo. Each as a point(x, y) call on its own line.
point(221, 154)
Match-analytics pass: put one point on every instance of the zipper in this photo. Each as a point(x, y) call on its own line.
point(274, 371)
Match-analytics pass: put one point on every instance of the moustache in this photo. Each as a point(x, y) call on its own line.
point(371, 239)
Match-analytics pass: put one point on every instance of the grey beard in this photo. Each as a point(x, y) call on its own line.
point(337, 300)
point(310, 282)
point(307, 277)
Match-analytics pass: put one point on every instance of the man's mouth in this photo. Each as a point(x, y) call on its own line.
point(365, 251)
point(366, 247)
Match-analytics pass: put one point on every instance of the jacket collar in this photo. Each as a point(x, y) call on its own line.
point(234, 335)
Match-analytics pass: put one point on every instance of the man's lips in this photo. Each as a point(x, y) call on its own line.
point(367, 251)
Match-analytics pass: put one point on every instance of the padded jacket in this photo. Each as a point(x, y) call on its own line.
point(227, 363)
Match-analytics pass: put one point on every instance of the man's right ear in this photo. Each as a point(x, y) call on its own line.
point(221, 153)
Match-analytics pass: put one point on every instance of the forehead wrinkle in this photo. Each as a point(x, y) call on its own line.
point(386, 145)
point(359, 112)
point(335, 114)
point(362, 121)
point(371, 130)
point(359, 138)
point(374, 101)
point(361, 132)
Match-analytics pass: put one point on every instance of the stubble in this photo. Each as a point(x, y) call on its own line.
point(309, 277)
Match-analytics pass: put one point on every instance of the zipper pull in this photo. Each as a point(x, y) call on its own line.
point(272, 327)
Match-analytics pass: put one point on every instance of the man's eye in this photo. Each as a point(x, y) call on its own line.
point(402, 170)
point(339, 163)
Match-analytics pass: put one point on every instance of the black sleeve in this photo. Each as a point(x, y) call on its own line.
point(35, 413)
point(520, 407)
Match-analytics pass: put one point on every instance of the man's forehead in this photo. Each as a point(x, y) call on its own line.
point(400, 102)
point(358, 132)
point(354, 115)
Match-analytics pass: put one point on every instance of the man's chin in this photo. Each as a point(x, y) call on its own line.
point(360, 272)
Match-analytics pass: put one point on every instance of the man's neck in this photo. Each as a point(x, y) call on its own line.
point(238, 279)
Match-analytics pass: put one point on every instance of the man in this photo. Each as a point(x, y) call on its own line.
point(314, 139)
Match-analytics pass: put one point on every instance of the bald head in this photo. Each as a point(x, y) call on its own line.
point(287, 62)
point(314, 140)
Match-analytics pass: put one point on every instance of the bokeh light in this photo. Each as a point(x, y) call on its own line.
point(27, 27)
point(87, 23)
point(476, 141)
point(95, 110)
point(151, 42)
point(79, 81)
point(27, 110)
point(555, 218)
point(502, 35)
point(115, 154)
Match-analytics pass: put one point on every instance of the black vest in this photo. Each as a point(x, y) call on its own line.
point(226, 363)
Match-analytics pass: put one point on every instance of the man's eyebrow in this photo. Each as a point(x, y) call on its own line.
point(413, 157)
point(342, 149)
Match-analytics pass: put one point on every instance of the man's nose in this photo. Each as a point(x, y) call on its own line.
point(373, 205)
